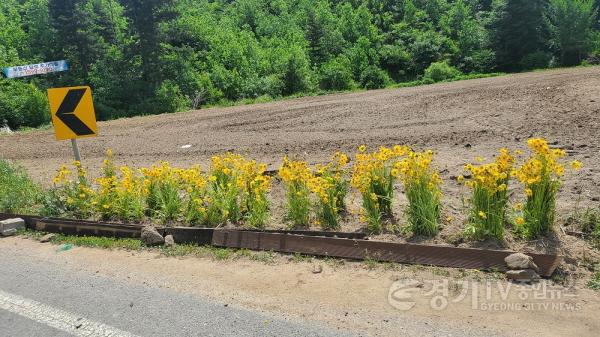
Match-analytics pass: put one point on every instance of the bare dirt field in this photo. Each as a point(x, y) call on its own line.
point(459, 121)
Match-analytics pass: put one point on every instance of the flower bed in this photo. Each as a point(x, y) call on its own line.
point(235, 191)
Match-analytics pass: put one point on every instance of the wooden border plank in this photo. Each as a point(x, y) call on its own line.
point(443, 256)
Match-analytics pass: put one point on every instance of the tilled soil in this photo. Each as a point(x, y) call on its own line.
point(459, 121)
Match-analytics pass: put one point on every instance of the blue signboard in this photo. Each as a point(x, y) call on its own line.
point(35, 69)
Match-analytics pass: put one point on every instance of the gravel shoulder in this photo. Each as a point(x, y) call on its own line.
point(345, 295)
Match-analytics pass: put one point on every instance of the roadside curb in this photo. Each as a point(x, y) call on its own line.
point(332, 244)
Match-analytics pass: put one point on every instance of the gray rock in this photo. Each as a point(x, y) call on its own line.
point(47, 237)
point(10, 226)
point(525, 275)
point(5, 129)
point(520, 261)
point(151, 236)
point(169, 241)
point(317, 269)
point(9, 232)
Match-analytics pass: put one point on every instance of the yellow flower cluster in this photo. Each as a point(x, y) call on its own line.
point(544, 161)
point(416, 168)
point(328, 183)
point(541, 177)
point(422, 188)
point(295, 171)
point(235, 187)
point(330, 178)
point(161, 172)
point(62, 175)
point(492, 177)
point(375, 167)
point(76, 194)
point(295, 176)
point(321, 187)
point(242, 186)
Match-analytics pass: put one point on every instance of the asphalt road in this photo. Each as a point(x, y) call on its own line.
point(42, 300)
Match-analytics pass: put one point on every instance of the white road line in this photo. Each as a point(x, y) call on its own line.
point(56, 318)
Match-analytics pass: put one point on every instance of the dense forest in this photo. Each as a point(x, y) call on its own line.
point(157, 56)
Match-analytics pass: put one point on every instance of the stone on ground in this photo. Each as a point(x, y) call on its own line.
point(10, 226)
point(47, 237)
point(520, 261)
point(169, 241)
point(150, 236)
point(525, 275)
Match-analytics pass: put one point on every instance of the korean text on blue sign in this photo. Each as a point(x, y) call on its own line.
point(35, 69)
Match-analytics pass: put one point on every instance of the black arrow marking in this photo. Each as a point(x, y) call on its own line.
point(66, 112)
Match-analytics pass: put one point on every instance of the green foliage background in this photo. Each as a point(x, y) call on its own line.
point(157, 56)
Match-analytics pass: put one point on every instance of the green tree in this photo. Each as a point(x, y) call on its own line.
point(518, 30)
point(571, 23)
point(146, 16)
point(76, 39)
point(296, 77)
point(460, 24)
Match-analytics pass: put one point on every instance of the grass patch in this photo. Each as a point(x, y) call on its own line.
point(86, 241)
point(370, 263)
point(588, 222)
point(263, 257)
point(221, 254)
point(333, 262)
point(300, 258)
point(594, 282)
point(28, 129)
point(186, 250)
point(463, 77)
point(439, 271)
point(18, 193)
point(98, 242)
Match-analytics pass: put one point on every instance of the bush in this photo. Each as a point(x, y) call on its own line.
point(396, 60)
point(296, 77)
point(170, 99)
point(374, 78)
point(440, 71)
point(536, 60)
point(18, 194)
point(22, 105)
point(481, 61)
point(336, 75)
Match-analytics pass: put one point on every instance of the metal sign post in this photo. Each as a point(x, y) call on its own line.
point(75, 150)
